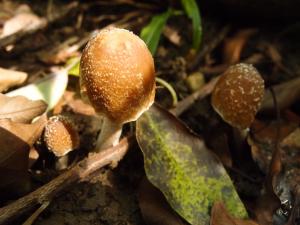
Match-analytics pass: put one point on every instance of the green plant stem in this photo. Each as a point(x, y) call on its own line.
point(169, 88)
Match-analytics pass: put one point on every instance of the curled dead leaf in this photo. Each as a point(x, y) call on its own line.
point(234, 45)
point(10, 78)
point(20, 109)
point(23, 20)
point(15, 141)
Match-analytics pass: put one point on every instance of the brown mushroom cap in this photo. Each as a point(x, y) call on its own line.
point(117, 75)
point(238, 94)
point(60, 136)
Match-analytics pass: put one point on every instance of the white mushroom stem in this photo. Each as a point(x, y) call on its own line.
point(109, 135)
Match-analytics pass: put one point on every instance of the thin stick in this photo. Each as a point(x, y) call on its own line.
point(79, 172)
point(35, 215)
point(190, 100)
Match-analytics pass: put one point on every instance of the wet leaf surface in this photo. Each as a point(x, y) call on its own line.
point(154, 206)
point(179, 164)
point(20, 109)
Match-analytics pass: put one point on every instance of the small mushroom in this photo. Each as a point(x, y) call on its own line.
point(238, 95)
point(117, 78)
point(60, 136)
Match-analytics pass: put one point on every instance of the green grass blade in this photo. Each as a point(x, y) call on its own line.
point(152, 32)
point(192, 11)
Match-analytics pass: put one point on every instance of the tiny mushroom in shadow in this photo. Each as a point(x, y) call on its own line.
point(238, 94)
point(237, 97)
point(117, 78)
point(60, 137)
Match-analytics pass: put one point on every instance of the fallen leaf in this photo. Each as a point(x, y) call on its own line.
point(292, 140)
point(179, 164)
point(263, 138)
point(15, 141)
point(276, 188)
point(33, 156)
point(286, 93)
point(154, 206)
point(60, 53)
point(172, 35)
point(11, 78)
point(20, 109)
point(76, 103)
point(220, 216)
point(49, 89)
point(23, 20)
point(234, 45)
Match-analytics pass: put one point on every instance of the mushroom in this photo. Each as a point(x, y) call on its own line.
point(237, 97)
point(238, 94)
point(60, 137)
point(117, 78)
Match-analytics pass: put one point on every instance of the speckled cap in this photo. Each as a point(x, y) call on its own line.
point(117, 75)
point(60, 136)
point(238, 95)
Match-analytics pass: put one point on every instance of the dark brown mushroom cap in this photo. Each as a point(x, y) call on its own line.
point(60, 136)
point(117, 75)
point(238, 94)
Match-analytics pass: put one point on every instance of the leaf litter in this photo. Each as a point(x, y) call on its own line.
point(38, 52)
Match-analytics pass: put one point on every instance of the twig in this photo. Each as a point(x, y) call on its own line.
point(78, 173)
point(200, 94)
point(208, 47)
point(35, 215)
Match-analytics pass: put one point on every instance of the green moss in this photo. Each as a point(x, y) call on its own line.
point(190, 177)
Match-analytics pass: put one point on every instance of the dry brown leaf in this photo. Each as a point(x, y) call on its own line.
point(61, 52)
point(33, 157)
point(267, 151)
point(172, 35)
point(286, 93)
point(220, 216)
point(234, 46)
point(15, 141)
point(292, 140)
point(76, 104)
point(10, 78)
point(24, 19)
point(263, 138)
point(20, 109)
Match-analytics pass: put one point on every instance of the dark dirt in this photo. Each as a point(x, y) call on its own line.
point(100, 201)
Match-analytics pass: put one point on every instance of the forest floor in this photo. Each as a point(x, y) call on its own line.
point(114, 196)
